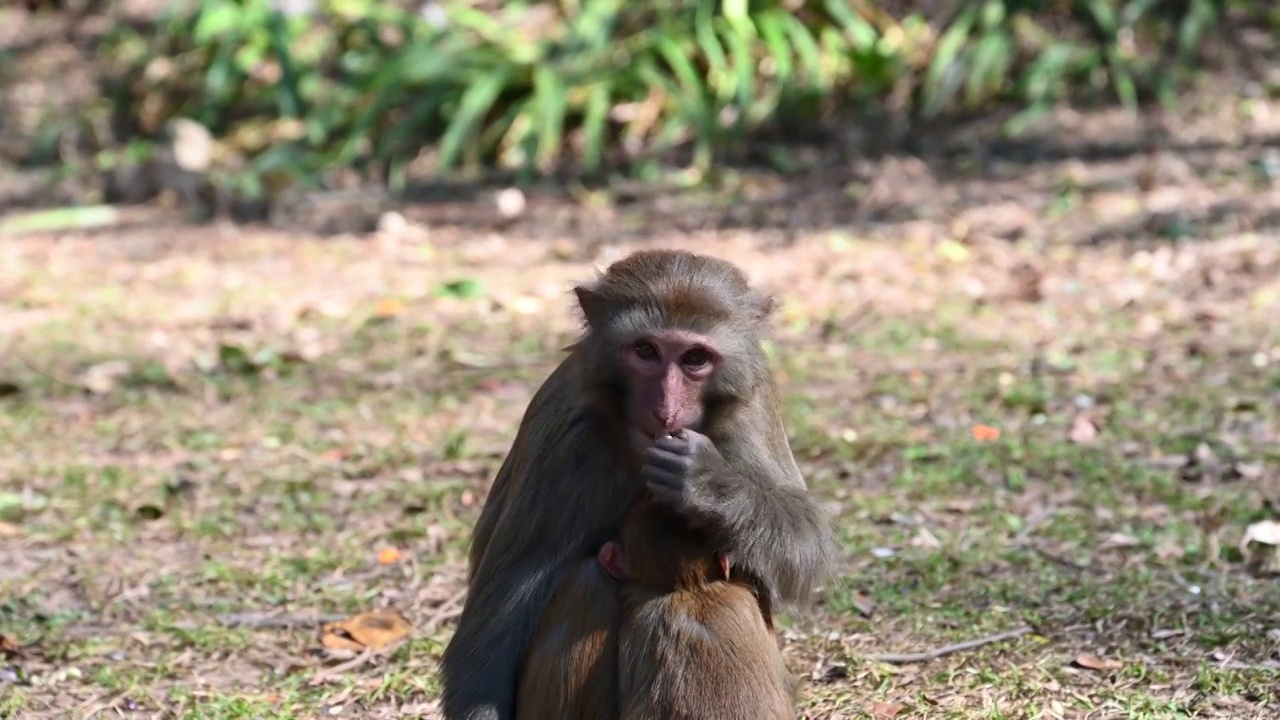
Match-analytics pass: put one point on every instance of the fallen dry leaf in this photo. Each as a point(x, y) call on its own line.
point(961, 506)
point(1261, 547)
point(1120, 540)
point(1198, 466)
point(1169, 550)
point(926, 539)
point(388, 308)
point(1246, 471)
point(9, 530)
point(1093, 662)
point(102, 378)
point(388, 555)
point(437, 536)
point(865, 606)
point(830, 674)
point(884, 710)
point(374, 630)
point(9, 648)
point(1083, 430)
point(985, 433)
point(308, 344)
point(522, 305)
point(1026, 282)
point(921, 435)
point(1266, 532)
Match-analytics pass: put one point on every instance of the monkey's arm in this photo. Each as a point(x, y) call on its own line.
point(526, 548)
point(546, 519)
point(480, 663)
point(756, 498)
point(545, 402)
point(488, 520)
point(775, 530)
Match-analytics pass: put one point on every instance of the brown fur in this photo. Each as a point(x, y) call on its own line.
point(693, 644)
point(571, 476)
point(571, 670)
point(683, 643)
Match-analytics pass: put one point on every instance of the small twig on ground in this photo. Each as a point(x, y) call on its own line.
point(1064, 562)
point(96, 705)
point(355, 662)
point(448, 610)
point(1033, 523)
point(1268, 665)
point(276, 620)
point(358, 661)
point(906, 658)
point(46, 374)
point(864, 606)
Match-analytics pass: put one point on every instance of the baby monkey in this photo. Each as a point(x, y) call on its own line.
point(694, 642)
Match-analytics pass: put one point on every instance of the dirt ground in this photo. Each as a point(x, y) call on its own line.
point(1037, 384)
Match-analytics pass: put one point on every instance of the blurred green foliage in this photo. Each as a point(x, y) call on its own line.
point(575, 84)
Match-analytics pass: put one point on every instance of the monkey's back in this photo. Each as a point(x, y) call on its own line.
point(571, 670)
point(700, 654)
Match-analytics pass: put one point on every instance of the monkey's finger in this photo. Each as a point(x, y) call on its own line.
point(657, 477)
point(654, 473)
point(657, 453)
point(664, 494)
point(661, 452)
point(669, 462)
point(673, 444)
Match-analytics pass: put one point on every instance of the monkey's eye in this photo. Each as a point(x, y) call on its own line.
point(647, 351)
point(696, 358)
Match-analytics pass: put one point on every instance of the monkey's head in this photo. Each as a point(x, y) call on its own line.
point(659, 550)
point(673, 339)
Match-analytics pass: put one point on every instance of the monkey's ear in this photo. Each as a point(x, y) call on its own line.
point(613, 560)
point(761, 304)
point(594, 307)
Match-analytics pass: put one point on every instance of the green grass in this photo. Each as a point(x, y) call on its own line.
point(145, 512)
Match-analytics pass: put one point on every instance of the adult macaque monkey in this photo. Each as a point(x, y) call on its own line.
point(671, 348)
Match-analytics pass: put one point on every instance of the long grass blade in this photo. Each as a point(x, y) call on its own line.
point(718, 76)
point(593, 125)
point(475, 102)
point(739, 38)
point(807, 51)
point(770, 25)
point(549, 96)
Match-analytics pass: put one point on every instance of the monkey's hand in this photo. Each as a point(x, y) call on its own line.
point(681, 472)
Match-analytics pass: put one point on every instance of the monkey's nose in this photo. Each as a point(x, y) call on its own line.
point(667, 421)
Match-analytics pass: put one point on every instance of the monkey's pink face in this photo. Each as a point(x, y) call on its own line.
point(666, 373)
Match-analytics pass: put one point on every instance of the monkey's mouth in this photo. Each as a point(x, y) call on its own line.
point(649, 438)
point(644, 438)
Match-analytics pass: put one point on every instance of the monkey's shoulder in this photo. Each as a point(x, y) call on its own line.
point(710, 650)
point(720, 615)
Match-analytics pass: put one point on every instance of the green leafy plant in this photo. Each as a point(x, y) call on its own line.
point(541, 87)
